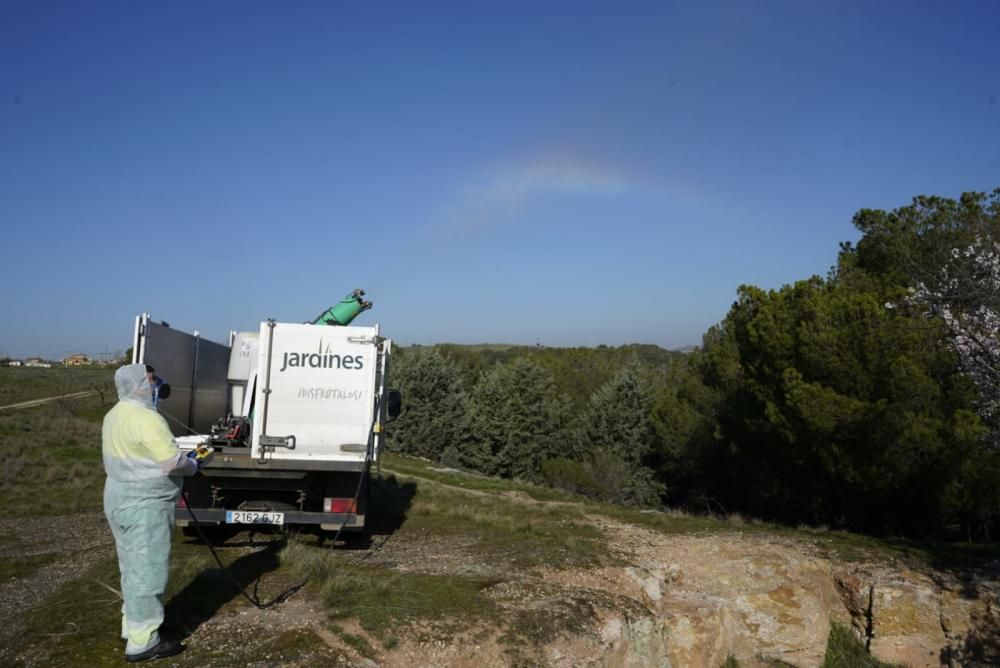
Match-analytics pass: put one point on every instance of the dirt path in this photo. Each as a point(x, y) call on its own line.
point(38, 402)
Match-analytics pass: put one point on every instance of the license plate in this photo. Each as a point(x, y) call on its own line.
point(253, 517)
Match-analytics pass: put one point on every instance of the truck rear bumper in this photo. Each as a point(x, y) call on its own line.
point(326, 521)
point(229, 462)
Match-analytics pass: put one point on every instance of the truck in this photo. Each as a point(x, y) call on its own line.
point(294, 411)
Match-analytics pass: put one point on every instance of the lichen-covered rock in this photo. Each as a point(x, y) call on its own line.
point(635, 644)
point(911, 618)
point(712, 597)
point(751, 604)
point(906, 620)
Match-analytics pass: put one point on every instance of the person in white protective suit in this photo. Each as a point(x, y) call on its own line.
point(144, 469)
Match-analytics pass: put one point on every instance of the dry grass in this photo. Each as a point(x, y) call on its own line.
point(50, 458)
point(19, 384)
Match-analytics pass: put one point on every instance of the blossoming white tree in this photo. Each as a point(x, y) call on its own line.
point(966, 296)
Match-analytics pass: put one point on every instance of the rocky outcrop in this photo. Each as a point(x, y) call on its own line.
point(919, 619)
point(697, 600)
point(757, 598)
point(751, 600)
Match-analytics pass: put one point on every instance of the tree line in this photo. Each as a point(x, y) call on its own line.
point(864, 400)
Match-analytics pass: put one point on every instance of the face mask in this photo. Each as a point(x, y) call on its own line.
point(160, 388)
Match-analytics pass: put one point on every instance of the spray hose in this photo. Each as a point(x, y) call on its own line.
point(280, 598)
point(283, 596)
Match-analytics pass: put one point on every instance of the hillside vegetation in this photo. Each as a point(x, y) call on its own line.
point(865, 400)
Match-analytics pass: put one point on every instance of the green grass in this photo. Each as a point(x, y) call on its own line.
point(492, 528)
point(290, 646)
point(518, 524)
point(360, 644)
point(19, 384)
point(444, 508)
point(91, 409)
point(841, 546)
point(673, 522)
point(844, 546)
point(844, 650)
point(532, 628)
point(666, 521)
point(381, 599)
point(466, 480)
point(50, 459)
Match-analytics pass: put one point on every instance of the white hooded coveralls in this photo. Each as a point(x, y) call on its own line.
point(144, 469)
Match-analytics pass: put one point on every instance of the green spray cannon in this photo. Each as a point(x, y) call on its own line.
point(344, 312)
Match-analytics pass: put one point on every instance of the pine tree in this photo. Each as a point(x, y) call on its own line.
point(433, 405)
point(515, 420)
point(619, 434)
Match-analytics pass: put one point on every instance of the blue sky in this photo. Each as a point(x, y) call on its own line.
point(572, 173)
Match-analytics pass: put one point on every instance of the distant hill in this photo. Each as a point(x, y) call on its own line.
point(577, 371)
point(475, 347)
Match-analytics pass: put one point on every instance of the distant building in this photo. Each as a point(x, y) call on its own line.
point(14, 363)
point(77, 360)
point(37, 362)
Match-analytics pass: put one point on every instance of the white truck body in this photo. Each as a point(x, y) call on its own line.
point(319, 390)
point(306, 403)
